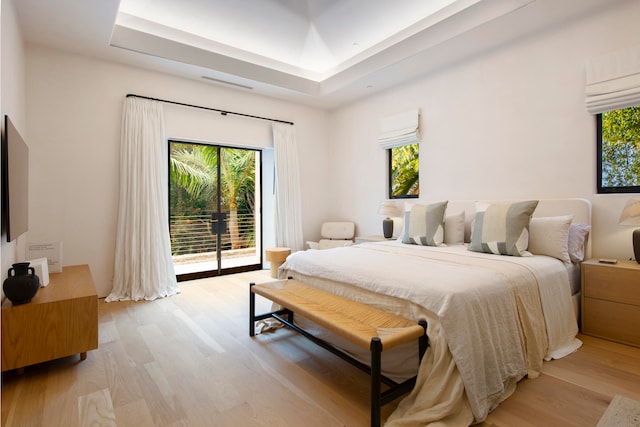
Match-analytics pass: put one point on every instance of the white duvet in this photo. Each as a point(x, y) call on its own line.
point(492, 319)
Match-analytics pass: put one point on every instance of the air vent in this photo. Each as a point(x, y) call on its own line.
point(226, 82)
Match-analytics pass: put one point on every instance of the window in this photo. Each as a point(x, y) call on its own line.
point(618, 135)
point(404, 166)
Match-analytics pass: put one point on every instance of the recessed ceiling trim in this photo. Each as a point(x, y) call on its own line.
point(462, 16)
point(457, 21)
point(139, 41)
point(169, 33)
point(424, 25)
point(311, 35)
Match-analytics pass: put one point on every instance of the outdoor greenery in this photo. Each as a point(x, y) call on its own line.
point(405, 166)
point(193, 171)
point(621, 148)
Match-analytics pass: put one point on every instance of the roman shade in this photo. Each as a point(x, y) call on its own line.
point(399, 129)
point(613, 81)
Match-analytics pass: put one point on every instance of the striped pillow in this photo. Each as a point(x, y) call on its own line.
point(502, 229)
point(424, 224)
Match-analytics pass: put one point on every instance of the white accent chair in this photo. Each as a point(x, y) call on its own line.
point(334, 234)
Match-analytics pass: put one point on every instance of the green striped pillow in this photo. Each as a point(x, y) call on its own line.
point(424, 224)
point(502, 229)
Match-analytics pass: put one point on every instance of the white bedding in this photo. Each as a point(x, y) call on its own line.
point(491, 322)
point(574, 277)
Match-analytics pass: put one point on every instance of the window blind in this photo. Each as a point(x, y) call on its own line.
point(613, 81)
point(399, 129)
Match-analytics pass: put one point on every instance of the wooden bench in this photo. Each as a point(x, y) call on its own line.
point(359, 323)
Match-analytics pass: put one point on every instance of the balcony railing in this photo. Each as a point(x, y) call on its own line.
point(191, 233)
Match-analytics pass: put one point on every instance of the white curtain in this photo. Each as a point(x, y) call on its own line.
point(400, 129)
point(613, 81)
point(288, 206)
point(143, 264)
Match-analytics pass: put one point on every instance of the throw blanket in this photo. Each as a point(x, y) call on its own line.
point(492, 319)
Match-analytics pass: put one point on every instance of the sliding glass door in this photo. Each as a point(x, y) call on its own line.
point(214, 209)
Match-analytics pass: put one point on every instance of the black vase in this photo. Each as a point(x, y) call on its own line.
point(22, 284)
point(387, 228)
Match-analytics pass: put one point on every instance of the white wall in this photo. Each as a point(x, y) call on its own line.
point(12, 100)
point(510, 123)
point(74, 114)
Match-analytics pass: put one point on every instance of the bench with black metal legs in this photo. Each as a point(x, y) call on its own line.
point(359, 323)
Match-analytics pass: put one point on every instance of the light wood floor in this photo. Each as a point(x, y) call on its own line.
point(187, 360)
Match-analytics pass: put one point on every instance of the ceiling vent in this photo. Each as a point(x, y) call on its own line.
point(224, 82)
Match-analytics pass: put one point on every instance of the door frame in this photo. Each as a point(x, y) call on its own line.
point(219, 271)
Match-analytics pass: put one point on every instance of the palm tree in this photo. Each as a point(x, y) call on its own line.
point(404, 170)
point(194, 168)
point(237, 175)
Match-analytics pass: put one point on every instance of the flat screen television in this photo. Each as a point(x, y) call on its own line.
point(15, 182)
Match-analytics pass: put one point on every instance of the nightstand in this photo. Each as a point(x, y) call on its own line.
point(362, 239)
point(611, 301)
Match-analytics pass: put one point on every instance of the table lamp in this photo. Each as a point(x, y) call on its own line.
point(387, 209)
point(631, 216)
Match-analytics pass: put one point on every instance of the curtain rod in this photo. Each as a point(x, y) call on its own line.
point(223, 112)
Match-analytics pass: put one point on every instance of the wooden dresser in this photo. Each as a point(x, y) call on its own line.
point(611, 301)
point(61, 320)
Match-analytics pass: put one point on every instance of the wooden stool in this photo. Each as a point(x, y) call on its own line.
point(276, 256)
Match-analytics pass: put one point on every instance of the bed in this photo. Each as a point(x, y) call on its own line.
point(492, 318)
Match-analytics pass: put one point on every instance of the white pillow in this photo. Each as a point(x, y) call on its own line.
point(550, 236)
point(578, 236)
point(454, 228)
point(407, 208)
